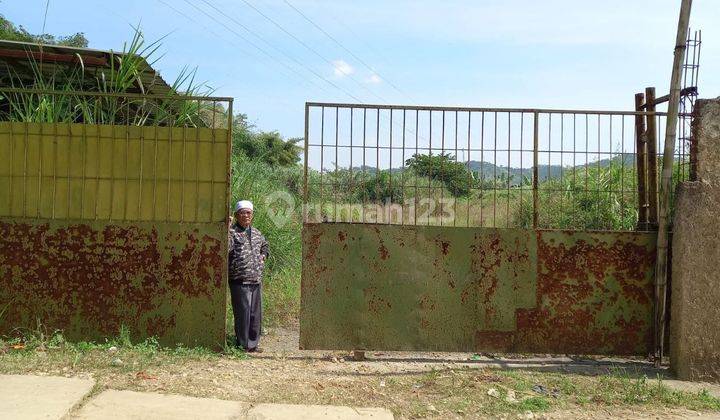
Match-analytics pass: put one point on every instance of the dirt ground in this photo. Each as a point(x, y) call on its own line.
point(412, 385)
point(431, 385)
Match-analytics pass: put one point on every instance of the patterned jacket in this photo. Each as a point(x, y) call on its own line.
point(245, 250)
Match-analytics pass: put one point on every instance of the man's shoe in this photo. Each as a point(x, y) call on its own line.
point(255, 350)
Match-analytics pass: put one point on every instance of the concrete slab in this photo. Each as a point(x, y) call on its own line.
point(316, 412)
point(40, 397)
point(126, 405)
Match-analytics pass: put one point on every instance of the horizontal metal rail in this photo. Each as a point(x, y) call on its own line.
point(475, 109)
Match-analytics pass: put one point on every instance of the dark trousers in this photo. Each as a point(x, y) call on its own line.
point(247, 311)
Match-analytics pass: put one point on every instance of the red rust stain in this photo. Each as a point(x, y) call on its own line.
point(445, 246)
point(572, 292)
point(312, 245)
point(427, 304)
point(494, 340)
point(108, 277)
point(375, 303)
point(465, 294)
point(383, 252)
point(488, 256)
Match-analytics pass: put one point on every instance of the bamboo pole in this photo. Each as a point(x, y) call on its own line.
point(666, 185)
point(652, 163)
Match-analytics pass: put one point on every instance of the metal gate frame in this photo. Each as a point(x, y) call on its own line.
point(368, 283)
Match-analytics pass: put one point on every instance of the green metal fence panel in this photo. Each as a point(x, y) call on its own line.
point(434, 288)
point(106, 172)
point(105, 225)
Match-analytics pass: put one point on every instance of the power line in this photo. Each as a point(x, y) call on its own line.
point(270, 56)
point(243, 50)
point(309, 48)
point(248, 30)
point(234, 44)
point(319, 55)
point(181, 13)
point(311, 70)
point(369, 67)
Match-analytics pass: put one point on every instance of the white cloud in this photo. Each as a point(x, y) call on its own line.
point(341, 68)
point(374, 79)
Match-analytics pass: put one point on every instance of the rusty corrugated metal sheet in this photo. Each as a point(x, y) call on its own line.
point(475, 289)
point(88, 279)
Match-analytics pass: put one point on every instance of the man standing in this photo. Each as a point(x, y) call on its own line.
point(247, 253)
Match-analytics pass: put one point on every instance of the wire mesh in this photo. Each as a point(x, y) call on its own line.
point(479, 167)
point(691, 69)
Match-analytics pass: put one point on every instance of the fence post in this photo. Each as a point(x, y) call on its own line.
point(640, 156)
point(536, 134)
point(305, 169)
point(652, 170)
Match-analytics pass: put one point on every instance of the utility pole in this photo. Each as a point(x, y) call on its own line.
point(666, 184)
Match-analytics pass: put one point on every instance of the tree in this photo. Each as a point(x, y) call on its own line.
point(443, 168)
point(9, 31)
point(268, 147)
point(380, 188)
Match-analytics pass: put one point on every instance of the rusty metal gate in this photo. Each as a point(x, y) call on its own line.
point(117, 221)
point(471, 229)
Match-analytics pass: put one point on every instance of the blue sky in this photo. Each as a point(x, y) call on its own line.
point(514, 53)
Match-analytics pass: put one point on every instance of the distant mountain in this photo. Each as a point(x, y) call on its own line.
point(489, 170)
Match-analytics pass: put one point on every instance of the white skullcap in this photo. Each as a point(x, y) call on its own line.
point(243, 204)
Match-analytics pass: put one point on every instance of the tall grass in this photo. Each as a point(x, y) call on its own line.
point(585, 198)
point(123, 75)
point(259, 182)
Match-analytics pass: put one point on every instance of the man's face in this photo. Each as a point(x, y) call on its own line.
point(244, 217)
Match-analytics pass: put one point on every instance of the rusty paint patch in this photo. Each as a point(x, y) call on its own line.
point(383, 252)
point(163, 280)
point(445, 247)
point(594, 293)
point(477, 289)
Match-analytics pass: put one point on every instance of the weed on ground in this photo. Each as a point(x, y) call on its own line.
point(407, 386)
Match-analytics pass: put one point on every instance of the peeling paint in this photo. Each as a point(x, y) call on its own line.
point(88, 279)
point(476, 289)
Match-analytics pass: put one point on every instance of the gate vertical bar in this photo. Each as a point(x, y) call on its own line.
point(305, 172)
point(228, 166)
point(536, 134)
point(640, 163)
point(651, 145)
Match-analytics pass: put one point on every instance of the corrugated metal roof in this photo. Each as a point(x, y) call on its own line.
point(18, 59)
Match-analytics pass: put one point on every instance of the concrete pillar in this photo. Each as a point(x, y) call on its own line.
point(695, 298)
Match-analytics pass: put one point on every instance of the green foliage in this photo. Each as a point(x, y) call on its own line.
point(380, 188)
point(586, 198)
point(265, 146)
point(270, 148)
point(122, 76)
point(533, 404)
point(443, 168)
point(11, 32)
